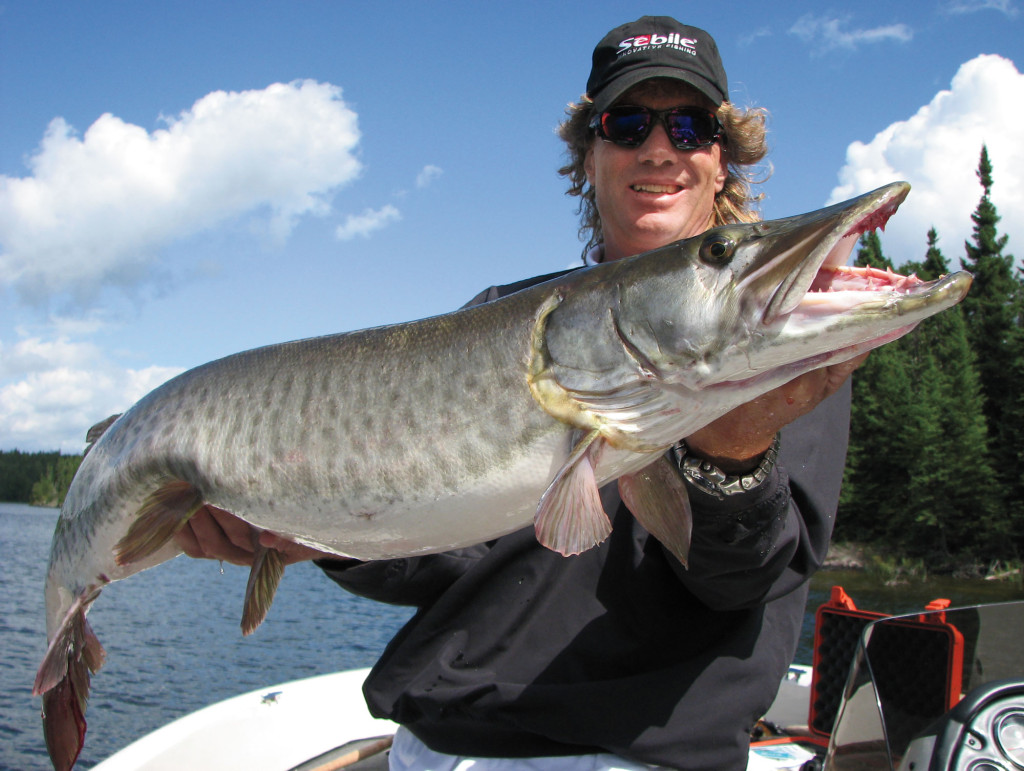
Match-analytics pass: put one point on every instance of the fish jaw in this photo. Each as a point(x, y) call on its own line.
point(784, 257)
point(832, 327)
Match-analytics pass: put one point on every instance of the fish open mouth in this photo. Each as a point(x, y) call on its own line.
point(890, 304)
point(834, 275)
point(847, 278)
point(844, 286)
point(815, 249)
point(832, 311)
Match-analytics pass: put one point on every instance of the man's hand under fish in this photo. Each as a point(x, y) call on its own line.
point(213, 533)
point(736, 441)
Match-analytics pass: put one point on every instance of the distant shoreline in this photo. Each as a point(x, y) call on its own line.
point(897, 568)
point(846, 556)
point(849, 556)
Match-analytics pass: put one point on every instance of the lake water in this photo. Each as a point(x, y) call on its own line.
point(172, 640)
point(173, 643)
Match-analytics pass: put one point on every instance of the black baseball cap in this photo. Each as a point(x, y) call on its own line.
point(655, 47)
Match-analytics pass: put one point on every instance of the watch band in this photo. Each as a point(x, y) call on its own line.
point(712, 480)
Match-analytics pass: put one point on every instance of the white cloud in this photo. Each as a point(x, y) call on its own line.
point(428, 175)
point(97, 209)
point(752, 37)
point(826, 34)
point(937, 151)
point(33, 354)
point(956, 7)
point(52, 391)
point(367, 222)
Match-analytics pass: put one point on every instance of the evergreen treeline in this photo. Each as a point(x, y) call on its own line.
point(936, 469)
point(39, 478)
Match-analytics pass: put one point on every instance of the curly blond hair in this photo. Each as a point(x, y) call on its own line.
point(744, 147)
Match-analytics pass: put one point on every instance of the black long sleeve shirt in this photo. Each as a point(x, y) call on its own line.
point(516, 651)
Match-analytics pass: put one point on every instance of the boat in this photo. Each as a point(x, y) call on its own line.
point(942, 689)
point(938, 690)
point(318, 723)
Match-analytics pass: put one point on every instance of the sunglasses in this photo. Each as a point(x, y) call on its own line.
point(629, 126)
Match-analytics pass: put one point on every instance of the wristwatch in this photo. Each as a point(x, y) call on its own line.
point(712, 480)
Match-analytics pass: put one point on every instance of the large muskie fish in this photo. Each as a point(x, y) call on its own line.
point(453, 430)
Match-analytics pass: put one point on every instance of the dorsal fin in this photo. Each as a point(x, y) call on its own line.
point(94, 433)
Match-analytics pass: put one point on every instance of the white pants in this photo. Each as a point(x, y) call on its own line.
point(410, 754)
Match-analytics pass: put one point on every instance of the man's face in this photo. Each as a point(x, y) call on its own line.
point(652, 195)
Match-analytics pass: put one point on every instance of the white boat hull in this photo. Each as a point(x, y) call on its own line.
point(272, 729)
point(282, 726)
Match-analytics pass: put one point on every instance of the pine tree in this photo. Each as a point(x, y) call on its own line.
point(935, 265)
point(953, 479)
point(917, 424)
point(992, 310)
point(875, 484)
point(870, 253)
point(1013, 425)
point(990, 306)
point(44, 493)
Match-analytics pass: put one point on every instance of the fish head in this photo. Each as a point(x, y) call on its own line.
point(755, 305)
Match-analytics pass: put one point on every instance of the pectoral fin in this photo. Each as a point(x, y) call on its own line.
point(570, 518)
point(265, 575)
point(162, 515)
point(657, 497)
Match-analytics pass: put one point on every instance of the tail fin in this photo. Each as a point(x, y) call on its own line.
point(63, 681)
point(64, 722)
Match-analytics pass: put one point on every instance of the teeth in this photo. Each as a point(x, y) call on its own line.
point(655, 188)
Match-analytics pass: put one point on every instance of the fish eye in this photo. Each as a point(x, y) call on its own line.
point(717, 249)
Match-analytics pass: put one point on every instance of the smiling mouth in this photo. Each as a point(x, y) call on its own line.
point(661, 189)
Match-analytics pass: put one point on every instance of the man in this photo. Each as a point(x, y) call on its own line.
point(619, 657)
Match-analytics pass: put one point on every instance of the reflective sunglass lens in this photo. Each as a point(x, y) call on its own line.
point(629, 128)
point(687, 127)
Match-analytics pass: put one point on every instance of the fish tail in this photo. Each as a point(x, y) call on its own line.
point(164, 512)
point(265, 575)
point(64, 722)
point(63, 681)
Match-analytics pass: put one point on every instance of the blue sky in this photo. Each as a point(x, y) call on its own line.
point(180, 181)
